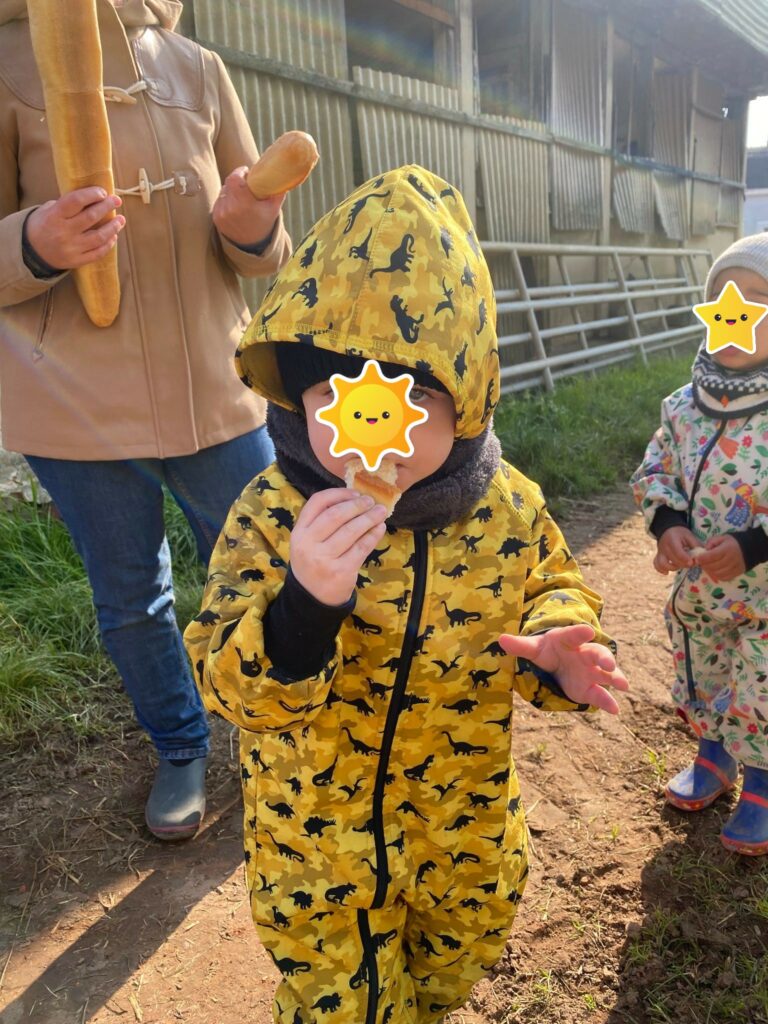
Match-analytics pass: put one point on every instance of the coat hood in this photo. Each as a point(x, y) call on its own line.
point(393, 273)
point(132, 13)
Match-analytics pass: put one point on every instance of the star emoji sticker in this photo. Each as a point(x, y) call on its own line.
point(731, 320)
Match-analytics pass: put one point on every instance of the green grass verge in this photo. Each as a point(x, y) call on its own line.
point(53, 669)
point(590, 433)
point(700, 955)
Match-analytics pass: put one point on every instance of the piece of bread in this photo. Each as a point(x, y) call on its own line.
point(65, 40)
point(283, 165)
point(381, 485)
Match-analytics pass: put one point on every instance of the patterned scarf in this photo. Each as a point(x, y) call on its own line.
point(443, 498)
point(728, 394)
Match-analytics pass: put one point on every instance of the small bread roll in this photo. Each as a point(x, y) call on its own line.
point(695, 552)
point(283, 165)
point(381, 485)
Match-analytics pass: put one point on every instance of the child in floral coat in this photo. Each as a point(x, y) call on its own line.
point(702, 488)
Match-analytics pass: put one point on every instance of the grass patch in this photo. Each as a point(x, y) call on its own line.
point(53, 669)
point(701, 953)
point(590, 433)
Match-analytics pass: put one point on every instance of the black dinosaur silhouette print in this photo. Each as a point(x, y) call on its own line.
point(407, 325)
point(401, 259)
point(358, 206)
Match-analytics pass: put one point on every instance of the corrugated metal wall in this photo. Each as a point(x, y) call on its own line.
point(578, 112)
point(745, 17)
point(308, 34)
point(632, 199)
point(529, 187)
point(731, 200)
point(305, 33)
point(514, 178)
point(707, 141)
point(672, 104)
point(390, 137)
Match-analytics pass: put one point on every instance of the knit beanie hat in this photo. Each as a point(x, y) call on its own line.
point(751, 253)
point(303, 366)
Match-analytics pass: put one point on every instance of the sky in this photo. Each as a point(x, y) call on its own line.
point(757, 123)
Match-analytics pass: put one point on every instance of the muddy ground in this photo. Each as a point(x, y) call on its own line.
point(99, 924)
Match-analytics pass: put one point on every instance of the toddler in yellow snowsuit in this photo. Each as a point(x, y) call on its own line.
point(363, 657)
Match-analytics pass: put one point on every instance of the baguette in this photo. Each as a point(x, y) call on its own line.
point(67, 48)
point(381, 485)
point(282, 166)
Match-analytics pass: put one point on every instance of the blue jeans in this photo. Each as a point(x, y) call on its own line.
point(114, 513)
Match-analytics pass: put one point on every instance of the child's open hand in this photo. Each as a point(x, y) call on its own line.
point(336, 531)
point(583, 669)
point(674, 550)
point(722, 558)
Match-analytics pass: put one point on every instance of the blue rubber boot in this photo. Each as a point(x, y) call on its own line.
point(746, 831)
point(713, 773)
point(176, 803)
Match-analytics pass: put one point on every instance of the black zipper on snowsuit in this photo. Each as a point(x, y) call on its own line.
point(371, 967)
point(395, 706)
point(692, 696)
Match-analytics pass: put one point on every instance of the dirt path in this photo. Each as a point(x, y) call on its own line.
point(99, 925)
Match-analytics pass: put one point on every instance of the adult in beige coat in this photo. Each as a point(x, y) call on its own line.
point(105, 416)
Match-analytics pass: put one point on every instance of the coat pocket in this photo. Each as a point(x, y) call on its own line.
point(43, 326)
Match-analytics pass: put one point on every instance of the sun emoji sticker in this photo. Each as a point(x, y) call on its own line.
point(731, 320)
point(371, 415)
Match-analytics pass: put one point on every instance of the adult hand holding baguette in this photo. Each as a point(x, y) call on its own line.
point(66, 233)
point(250, 200)
point(239, 216)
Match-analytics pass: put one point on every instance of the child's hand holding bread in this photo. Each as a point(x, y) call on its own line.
point(334, 534)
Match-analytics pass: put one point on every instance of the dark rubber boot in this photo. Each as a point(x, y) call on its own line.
point(176, 803)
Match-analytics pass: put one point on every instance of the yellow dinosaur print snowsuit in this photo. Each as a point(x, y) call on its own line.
point(385, 841)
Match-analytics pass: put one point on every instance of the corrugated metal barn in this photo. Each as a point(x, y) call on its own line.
point(586, 135)
point(621, 120)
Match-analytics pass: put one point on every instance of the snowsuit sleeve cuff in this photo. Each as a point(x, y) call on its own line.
point(547, 679)
point(262, 258)
point(754, 546)
point(300, 631)
point(665, 518)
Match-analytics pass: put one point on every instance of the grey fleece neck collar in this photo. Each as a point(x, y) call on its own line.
point(432, 504)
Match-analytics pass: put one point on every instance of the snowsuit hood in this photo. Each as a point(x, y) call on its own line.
point(393, 273)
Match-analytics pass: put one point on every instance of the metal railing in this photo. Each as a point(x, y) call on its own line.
point(625, 306)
